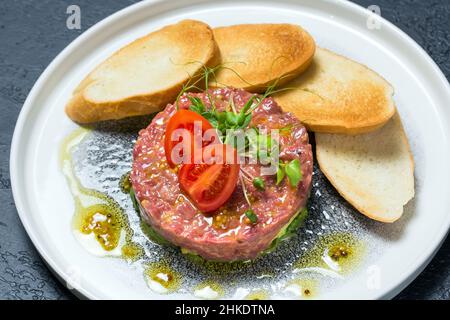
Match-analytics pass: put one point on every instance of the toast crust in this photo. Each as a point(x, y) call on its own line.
point(183, 49)
point(338, 95)
point(346, 160)
point(256, 55)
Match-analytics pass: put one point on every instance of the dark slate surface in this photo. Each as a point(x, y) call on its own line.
point(32, 33)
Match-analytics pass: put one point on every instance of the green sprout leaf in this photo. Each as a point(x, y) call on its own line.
point(258, 183)
point(196, 105)
point(246, 121)
point(221, 116)
point(293, 172)
point(250, 214)
point(232, 118)
point(247, 105)
point(280, 174)
point(211, 118)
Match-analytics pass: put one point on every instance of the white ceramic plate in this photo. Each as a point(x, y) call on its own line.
point(422, 95)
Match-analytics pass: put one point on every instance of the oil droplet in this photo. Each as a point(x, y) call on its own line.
point(99, 223)
point(258, 294)
point(336, 253)
point(161, 278)
point(101, 220)
point(125, 183)
point(208, 290)
point(132, 251)
point(301, 288)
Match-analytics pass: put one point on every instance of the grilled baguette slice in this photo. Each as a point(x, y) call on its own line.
point(255, 55)
point(338, 95)
point(373, 171)
point(142, 77)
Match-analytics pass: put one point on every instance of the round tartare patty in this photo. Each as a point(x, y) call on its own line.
point(225, 234)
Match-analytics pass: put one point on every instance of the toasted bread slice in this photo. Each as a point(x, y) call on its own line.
point(142, 77)
point(338, 95)
point(373, 171)
point(255, 55)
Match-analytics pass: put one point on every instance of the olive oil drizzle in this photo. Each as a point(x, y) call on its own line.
point(303, 288)
point(98, 214)
point(209, 290)
point(95, 212)
point(338, 253)
point(162, 274)
point(257, 295)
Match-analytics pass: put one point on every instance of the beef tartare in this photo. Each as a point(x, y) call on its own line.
point(250, 209)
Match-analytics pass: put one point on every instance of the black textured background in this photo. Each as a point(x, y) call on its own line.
point(33, 32)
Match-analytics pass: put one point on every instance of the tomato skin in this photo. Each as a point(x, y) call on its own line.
point(185, 119)
point(210, 184)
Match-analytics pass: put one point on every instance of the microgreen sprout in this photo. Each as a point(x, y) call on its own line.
point(258, 183)
point(250, 214)
point(292, 170)
point(232, 120)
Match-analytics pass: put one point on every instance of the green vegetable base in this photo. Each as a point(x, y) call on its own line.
point(145, 227)
point(289, 231)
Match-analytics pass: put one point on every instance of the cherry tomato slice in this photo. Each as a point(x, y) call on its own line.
point(185, 119)
point(210, 184)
